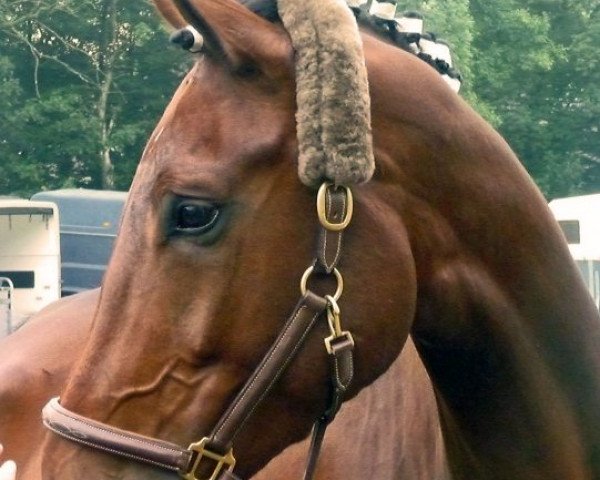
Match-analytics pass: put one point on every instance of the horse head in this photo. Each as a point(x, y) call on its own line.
point(216, 235)
point(220, 226)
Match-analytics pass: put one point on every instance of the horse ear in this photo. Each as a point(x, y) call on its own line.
point(235, 34)
point(170, 13)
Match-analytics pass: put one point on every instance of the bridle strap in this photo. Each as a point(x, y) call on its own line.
point(271, 368)
point(90, 433)
point(329, 242)
point(342, 372)
point(316, 443)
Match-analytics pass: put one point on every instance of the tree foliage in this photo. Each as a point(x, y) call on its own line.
point(532, 70)
point(85, 81)
point(82, 82)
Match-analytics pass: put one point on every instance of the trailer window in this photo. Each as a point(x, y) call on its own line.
point(20, 279)
point(571, 231)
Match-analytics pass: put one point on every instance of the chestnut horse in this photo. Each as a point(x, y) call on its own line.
point(450, 242)
point(40, 355)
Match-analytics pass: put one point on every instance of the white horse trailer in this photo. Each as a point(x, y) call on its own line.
point(579, 218)
point(29, 260)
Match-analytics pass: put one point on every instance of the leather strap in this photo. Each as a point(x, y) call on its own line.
point(329, 246)
point(342, 372)
point(94, 434)
point(342, 367)
point(316, 442)
point(274, 363)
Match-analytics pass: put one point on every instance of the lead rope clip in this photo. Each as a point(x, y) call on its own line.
point(335, 326)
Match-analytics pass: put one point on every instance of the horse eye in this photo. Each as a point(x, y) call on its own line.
point(195, 217)
point(191, 219)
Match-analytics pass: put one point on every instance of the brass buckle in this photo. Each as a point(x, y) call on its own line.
point(322, 208)
point(201, 452)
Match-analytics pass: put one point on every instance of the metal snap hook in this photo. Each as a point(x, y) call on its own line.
point(335, 327)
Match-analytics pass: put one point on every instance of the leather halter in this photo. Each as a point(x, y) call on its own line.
point(212, 457)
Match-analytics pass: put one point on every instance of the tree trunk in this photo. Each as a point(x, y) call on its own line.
point(108, 180)
point(106, 62)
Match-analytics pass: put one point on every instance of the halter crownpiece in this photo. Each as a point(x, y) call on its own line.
point(332, 92)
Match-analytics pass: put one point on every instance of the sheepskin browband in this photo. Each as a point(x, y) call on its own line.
point(333, 106)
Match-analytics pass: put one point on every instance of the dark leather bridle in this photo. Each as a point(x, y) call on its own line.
point(212, 457)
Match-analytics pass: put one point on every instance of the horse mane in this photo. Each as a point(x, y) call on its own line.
point(386, 30)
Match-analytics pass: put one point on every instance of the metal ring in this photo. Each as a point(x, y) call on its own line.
point(338, 276)
point(322, 208)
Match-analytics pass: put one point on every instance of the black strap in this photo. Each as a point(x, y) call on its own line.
point(316, 442)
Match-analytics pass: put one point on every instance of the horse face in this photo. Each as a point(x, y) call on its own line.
point(216, 235)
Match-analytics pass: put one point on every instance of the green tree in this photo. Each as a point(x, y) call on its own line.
point(83, 82)
point(12, 167)
point(531, 68)
point(94, 78)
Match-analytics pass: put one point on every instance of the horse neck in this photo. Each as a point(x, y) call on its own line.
point(504, 324)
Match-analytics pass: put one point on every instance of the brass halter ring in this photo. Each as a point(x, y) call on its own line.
point(338, 276)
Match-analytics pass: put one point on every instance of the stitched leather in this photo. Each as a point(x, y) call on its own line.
point(270, 369)
point(131, 445)
point(329, 246)
point(343, 363)
point(342, 366)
